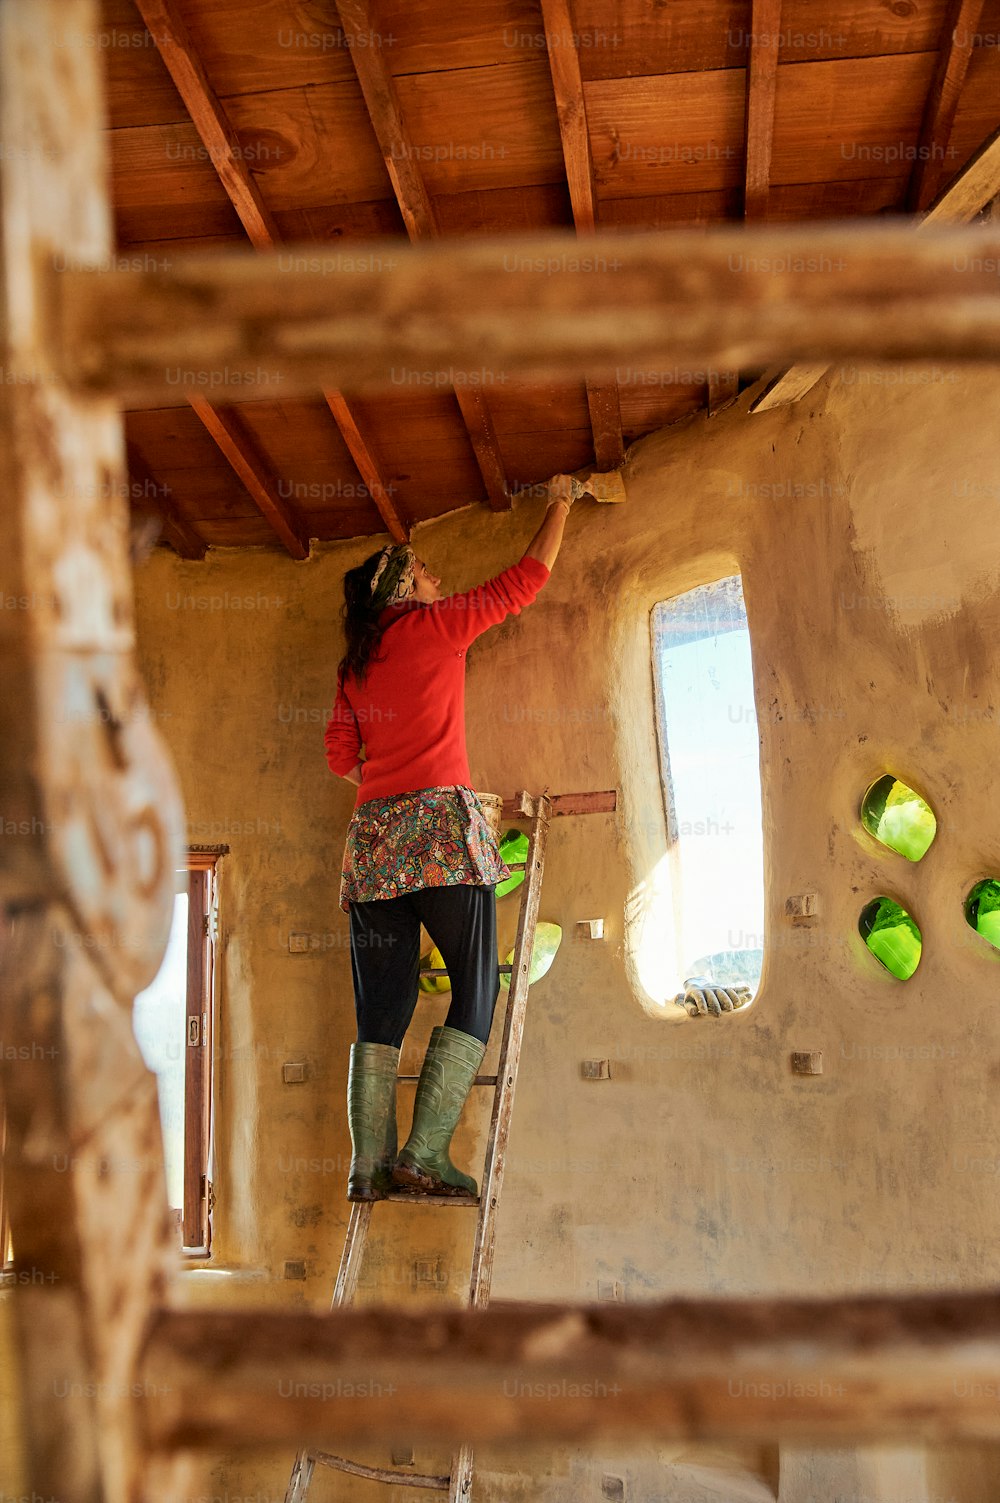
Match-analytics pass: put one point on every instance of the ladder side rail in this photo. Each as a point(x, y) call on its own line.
point(343, 1294)
point(460, 1490)
point(507, 1067)
point(354, 1250)
point(298, 1483)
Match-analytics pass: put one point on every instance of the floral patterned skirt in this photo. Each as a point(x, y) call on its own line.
point(435, 837)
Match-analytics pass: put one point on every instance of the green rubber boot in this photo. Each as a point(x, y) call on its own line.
point(449, 1068)
point(371, 1113)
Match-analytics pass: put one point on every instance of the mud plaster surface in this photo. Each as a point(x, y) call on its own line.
point(864, 521)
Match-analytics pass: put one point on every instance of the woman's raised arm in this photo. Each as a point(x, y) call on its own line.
point(545, 544)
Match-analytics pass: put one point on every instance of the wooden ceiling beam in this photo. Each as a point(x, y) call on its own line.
point(232, 437)
point(961, 201)
point(185, 540)
point(166, 26)
point(603, 398)
point(762, 78)
point(567, 85)
point(763, 48)
point(360, 27)
point(604, 405)
point(954, 56)
point(685, 295)
point(368, 469)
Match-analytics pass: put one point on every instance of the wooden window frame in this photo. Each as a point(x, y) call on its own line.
point(194, 1219)
point(199, 1028)
point(6, 1251)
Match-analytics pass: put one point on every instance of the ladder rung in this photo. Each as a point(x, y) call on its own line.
point(381, 1473)
point(479, 1080)
point(439, 970)
point(423, 1197)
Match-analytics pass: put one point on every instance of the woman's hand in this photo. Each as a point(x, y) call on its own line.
point(561, 489)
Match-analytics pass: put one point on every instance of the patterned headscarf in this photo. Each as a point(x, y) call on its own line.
point(393, 579)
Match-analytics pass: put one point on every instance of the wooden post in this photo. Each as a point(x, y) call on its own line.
point(87, 876)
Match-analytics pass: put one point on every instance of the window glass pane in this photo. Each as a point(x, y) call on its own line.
point(159, 1023)
point(982, 909)
point(898, 817)
point(892, 936)
point(711, 772)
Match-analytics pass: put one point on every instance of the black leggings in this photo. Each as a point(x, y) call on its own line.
point(385, 959)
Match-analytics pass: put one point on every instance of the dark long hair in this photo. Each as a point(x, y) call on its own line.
point(362, 631)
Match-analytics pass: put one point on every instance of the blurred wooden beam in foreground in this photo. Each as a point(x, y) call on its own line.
point(542, 306)
point(867, 1369)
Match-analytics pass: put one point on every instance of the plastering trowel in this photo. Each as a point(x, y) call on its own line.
point(607, 487)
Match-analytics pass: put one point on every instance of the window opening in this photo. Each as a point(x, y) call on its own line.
point(710, 771)
point(898, 817)
point(892, 936)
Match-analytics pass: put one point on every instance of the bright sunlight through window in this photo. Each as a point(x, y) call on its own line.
point(709, 759)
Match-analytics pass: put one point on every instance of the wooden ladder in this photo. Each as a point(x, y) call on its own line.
point(458, 1483)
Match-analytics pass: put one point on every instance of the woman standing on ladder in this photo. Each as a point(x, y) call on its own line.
point(418, 849)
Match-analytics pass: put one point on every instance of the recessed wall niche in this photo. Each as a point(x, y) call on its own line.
point(892, 936)
point(898, 817)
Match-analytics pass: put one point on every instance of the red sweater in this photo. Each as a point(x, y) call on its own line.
point(410, 711)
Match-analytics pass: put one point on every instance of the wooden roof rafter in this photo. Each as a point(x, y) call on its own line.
point(603, 400)
point(166, 26)
point(961, 20)
point(359, 27)
point(185, 540)
point(762, 79)
point(230, 433)
point(763, 47)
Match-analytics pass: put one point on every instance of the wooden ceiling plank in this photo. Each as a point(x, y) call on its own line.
point(213, 125)
point(631, 40)
point(762, 78)
point(166, 27)
point(567, 84)
point(360, 26)
point(976, 185)
point(177, 530)
point(701, 148)
point(249, 464)
point(961, 21)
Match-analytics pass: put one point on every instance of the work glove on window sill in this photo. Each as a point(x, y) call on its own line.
point(702, 997)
